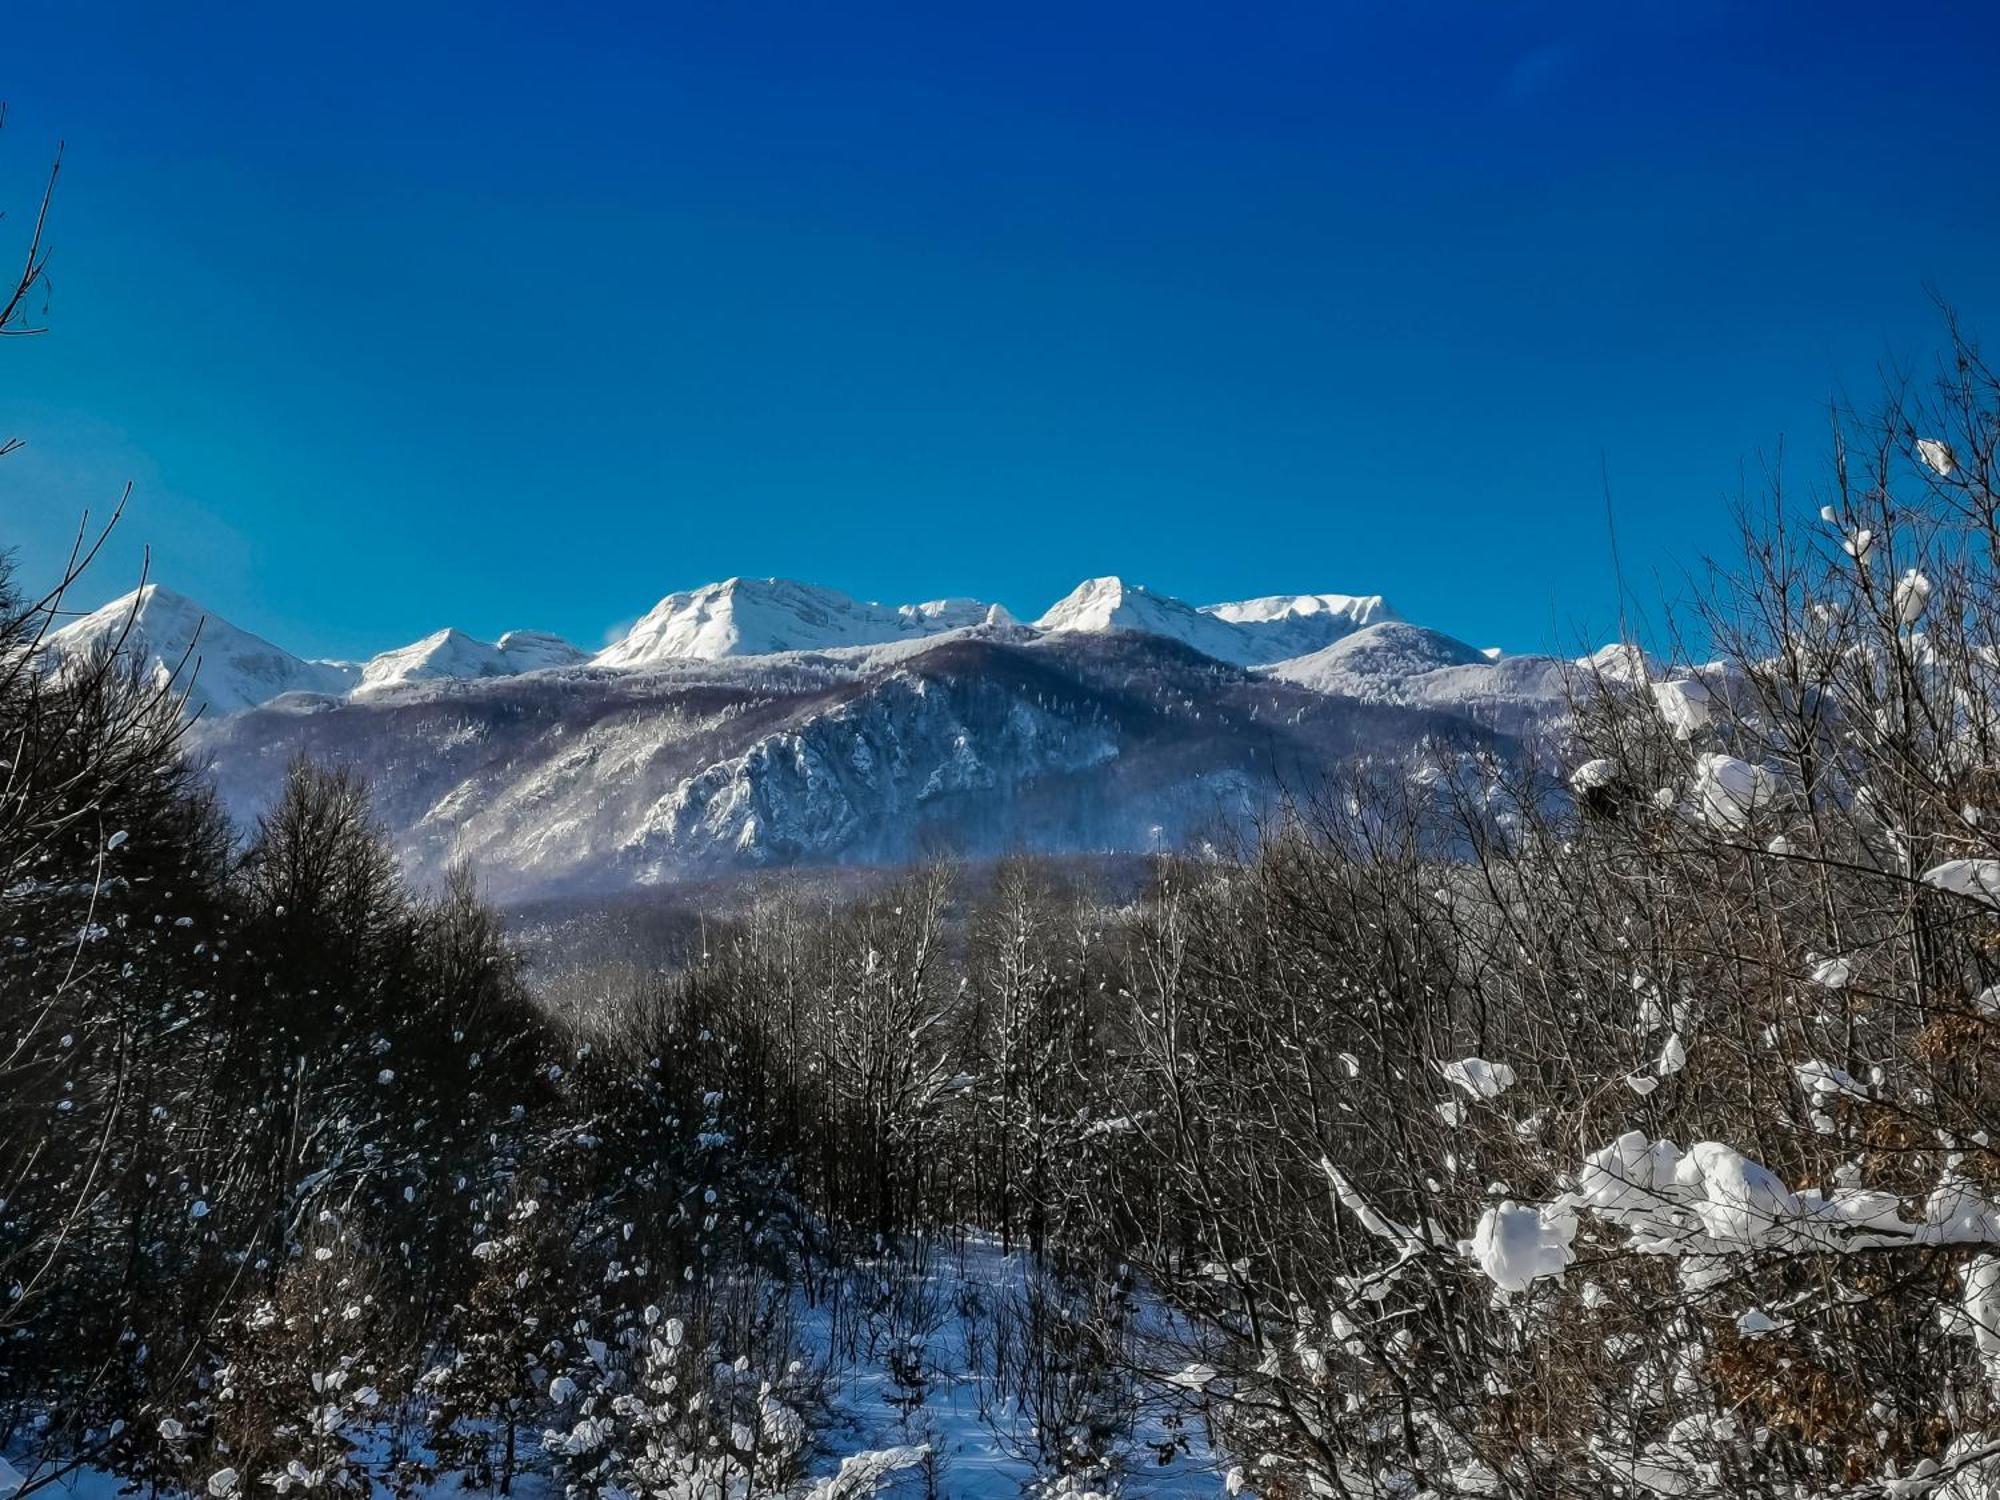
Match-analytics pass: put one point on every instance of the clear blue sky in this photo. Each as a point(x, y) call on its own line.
point(407, 315)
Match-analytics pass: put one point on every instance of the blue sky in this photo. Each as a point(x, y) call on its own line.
point(399, 316)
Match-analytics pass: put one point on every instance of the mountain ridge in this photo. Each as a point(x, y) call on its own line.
point(734, 618)
point(754, 724)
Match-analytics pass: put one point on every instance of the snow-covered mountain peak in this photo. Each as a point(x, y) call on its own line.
point(1101, 604)
point(443, 653)
point(1356, 610)
point(453, 653)
point(155, 599)
point(152, 608)
point(957, 614)
point(1093, 604)
point(1278, 627)
point(758, 616)
point(531, 650)
point(169, 636)
point(1250, 632)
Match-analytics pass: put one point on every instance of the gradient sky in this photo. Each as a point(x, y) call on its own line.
point(400, 316)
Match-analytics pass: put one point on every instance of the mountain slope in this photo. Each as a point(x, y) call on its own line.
point(1376, 654)
point(598, 780)
point(1405, 665)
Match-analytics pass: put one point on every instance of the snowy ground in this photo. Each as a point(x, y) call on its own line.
point(929, 1350)
point(985, 1437)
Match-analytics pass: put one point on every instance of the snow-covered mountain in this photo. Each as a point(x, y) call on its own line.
point(223, 669)
point(1288, 625)
point(532, 650)
point(1361, 662)
point(1411, 667)
point(736, 618)
point(453, 653)
point(973, 744)
point(758, 616)
point(759, 722)
point(1098, 605)
point(1250, 632)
